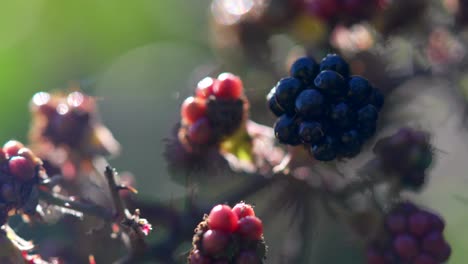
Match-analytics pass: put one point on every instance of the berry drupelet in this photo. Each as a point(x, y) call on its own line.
point(410, 235)
point(324, 108)
point(20, 172)
point(407, 155)
point(215, 112)
point(229, 236)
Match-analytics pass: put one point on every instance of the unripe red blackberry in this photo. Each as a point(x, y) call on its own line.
point(12, 147)
point(219, 242)
point(228, 86)
point(200, 132)
point(222, 218)
point(214, 242)
point(205, 87)
point(242, 210)
point(251, 228)
point(192, 109)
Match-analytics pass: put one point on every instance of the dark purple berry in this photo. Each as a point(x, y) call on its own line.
point(309, 104)
point(305, 69)
point(376, 98)
point(286, 130)
point(331, 83)
point(335, 63)
point(325, 150)
point(287, 90)
point(425, 259)
point(350, 144)
point(341, 115)
point(419, 223)
point(437, 223)
point(275, 108)
point(367, 114)
point(374, 257)
point(433, 242)
point(311, 132)
point(359, 90)
point(406, 246)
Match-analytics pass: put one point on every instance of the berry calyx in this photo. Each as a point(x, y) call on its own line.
point(251, 228)
point(242, 210)
point(214, 242)
point(192, 109)
point(222, 218)
point(228, 86)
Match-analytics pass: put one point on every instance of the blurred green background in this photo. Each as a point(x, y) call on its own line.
point(139, 58)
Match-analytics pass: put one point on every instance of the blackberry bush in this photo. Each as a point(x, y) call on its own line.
point(324, 108)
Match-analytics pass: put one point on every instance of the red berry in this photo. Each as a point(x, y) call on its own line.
point(419, 223)
point(242, 210)
point(424, 259)
point(197, 258)
point(22, 168)
point(406, 246)
point(205, 87)
point(228, 86)
point(248, 257)
point(251, 228)
point(222, 218)
point(29, 155)
point(200, 131)
point(214, 242)
point(12, 147)
point(374, 257)
point(192, 109)
point(396, 223)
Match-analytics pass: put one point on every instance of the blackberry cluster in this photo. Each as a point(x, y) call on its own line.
point(413, 236)
point(324, 108)
point(407, 154)
point(229, 236)
point(215, 112)
point(20, 171)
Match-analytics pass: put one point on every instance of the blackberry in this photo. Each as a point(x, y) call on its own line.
point(287, 90)
point(412, 235)
point(325, 150)
point(311, 132)
point(305, 69)
point(286, 130)
point(309, 104)
point(335, 63)
point(359, 90)
point(341, 116)
point(333, 116)
point(331, 83)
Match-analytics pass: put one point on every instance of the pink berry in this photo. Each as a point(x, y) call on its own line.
point(242, 210)
point(22, 168)
point(12, 147)
point(222, 218)
point(374, 257)
point(248, 257)
point(251, 228)
point(424, 259)
point(214, 242)
point(419, 223)
point(228, 86)
point(406, 246)
point(192, 109)
point(396, 223)
point(205, 87)
point(197, 258)
point(200, 131)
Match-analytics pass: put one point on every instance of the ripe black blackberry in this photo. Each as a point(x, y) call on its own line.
point(324, 108)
